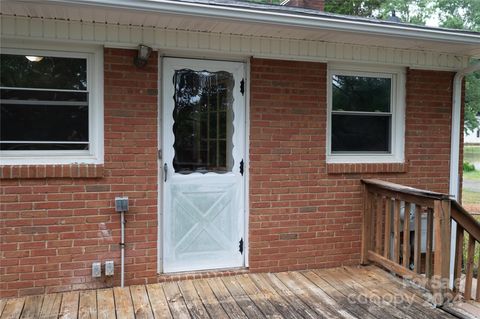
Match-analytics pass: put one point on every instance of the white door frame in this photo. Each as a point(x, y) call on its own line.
point(161, 160)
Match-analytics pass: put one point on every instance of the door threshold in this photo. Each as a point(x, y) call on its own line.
point(197, 274)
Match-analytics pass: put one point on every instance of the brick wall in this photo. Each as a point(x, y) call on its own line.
point(304, 213)
point(55, 221)
point(52, 229)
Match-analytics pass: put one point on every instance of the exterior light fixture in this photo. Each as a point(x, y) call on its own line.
point(142, 57)
point(32, 58)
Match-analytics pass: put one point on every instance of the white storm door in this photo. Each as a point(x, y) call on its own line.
point(203, 151)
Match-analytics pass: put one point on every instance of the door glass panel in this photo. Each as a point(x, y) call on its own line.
point(203, 117)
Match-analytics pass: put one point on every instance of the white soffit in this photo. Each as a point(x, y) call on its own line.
point(113, 18)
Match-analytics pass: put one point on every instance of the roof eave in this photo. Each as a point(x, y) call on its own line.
point(283, 19)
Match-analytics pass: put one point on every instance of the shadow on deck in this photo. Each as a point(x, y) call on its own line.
point(348, 292)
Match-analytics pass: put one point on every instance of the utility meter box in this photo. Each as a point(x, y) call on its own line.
point(121, 204)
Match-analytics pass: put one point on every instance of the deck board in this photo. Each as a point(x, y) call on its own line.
point(141, 304)
point(313, 296)
point(3, 302)
point(69, 308)
point(275, 299)
point(175, 301)
point(50, 306)
point(123, 303)
point(338, 292)
point(258, 298)
point(13, 308)
point(225, 299)
point(325, 293)
point(105, 304)
point(379, 299)
point(241, 298)
point(192, 300)
point(158, 302)
point(87, 308)
point(288, 295)
point(413, 308)
point(215, 310)
point(394, 286)
point(32, 307)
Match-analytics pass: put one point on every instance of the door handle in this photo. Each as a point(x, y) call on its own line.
point(165, 171)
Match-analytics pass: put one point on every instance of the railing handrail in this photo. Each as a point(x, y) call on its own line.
point(465, 220)
point(406, 189)
point(383, 224)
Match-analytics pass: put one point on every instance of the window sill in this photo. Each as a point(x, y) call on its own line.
point(358, 168)
point(51, 171)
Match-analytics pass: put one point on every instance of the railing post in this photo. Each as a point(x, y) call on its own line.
point(366, 225)
point(441, 231)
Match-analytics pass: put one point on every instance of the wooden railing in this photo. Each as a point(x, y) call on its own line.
point(408, 231)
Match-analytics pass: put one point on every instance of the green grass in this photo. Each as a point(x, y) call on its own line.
point(472, 149)
point(470, 197)
point(474, 175)
point(471, 154)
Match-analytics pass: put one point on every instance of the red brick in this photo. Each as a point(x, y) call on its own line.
point(279, 118)
point(303, 212)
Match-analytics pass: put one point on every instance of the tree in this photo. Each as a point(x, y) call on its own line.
point(456, 14)
point(353, 7)
point(409, 11)
point(464, 14)
point(472, 101)
point(459, 14)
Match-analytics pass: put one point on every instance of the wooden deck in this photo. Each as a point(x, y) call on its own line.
point(349, 292)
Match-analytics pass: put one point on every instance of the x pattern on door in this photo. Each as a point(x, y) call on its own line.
point(201, 218)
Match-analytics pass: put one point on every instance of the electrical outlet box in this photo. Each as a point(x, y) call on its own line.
point(96, 270)
point(121, 204)
point(109, 268)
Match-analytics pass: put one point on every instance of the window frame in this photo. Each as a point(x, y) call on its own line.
point(95, 152)
point(397, 110)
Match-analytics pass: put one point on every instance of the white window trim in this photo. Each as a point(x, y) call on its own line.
point(95, 153)
point(398, 97)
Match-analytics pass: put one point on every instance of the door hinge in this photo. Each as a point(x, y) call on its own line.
point(242, 86)
point(159, 154)
point(241, 167)
point(240, 246)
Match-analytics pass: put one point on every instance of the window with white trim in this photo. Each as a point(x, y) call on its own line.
point(51, 108)
point(365, 115)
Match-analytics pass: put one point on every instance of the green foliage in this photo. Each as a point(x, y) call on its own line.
point(409, 11)
point(456, 14)
point(468, 167)
point(459, 14)
point(353, 7)
point(472, 101)
point(464, 14)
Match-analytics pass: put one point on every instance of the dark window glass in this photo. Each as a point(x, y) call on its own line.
point(360, 133)
point(44, 103)
point(360, 94)
point(42, 147)
point(202, 121)
point(54, 120)
point(48, 73)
